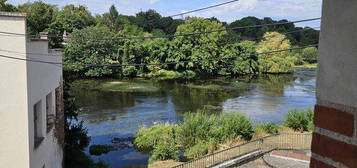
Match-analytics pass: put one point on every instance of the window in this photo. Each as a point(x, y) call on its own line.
point(50, 116)
point(38, 136)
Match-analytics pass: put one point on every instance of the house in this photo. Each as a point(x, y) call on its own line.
point(31, 103)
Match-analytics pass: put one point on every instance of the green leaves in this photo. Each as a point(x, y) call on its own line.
point(300, 120)
point(278, 62)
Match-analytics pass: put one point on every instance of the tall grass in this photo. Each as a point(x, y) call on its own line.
point(201, 133)
point(300, 120)
point(197, 135)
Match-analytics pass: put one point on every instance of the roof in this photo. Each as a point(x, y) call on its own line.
point(12, 14)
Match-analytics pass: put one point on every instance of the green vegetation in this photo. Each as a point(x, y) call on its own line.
point(192, 51)
point(269, 128)
point(116, 86)
point(201, 133)
point(198, 134)
point(300, 120)
point(280, 62)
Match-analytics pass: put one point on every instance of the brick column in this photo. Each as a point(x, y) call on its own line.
point(334, 141)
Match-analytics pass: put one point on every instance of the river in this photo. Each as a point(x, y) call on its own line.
point(109, 115)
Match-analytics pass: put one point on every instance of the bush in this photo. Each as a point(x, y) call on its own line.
point(165, 150)
point(232, 126)
point(147, 139)
point(310, 54)
point(198, 134)
point(300, 120)
point(269, 128)
point(196, 127)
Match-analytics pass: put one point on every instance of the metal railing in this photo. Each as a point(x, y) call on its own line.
point(289, 141)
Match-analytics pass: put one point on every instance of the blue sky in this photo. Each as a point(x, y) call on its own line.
point(277, 9)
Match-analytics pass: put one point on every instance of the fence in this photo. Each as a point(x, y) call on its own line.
point(265, 144)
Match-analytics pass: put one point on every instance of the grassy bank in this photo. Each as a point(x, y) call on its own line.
point(200, 134)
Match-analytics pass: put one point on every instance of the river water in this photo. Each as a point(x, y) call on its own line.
point(109, 115)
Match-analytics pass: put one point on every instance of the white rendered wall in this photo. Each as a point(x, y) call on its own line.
point(43, 79)
point(14, 138)
point(23, 84)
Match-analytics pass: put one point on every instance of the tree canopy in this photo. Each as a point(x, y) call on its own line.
point(227, 52)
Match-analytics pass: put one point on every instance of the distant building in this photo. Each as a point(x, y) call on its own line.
point(31, 103)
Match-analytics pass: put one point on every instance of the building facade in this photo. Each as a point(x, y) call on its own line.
point(334, 143)
point(31, 104)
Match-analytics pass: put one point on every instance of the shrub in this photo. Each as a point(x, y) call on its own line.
point(147, 139)
point(269, 128)
point(164, 150)
point(195, 127)
point(200, 149)
point(299, 120)
point(235, 125)
point(310, 54)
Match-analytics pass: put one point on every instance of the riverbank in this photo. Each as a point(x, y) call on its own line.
point(201, 133)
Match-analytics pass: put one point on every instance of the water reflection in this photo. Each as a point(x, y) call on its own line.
point(119, 114)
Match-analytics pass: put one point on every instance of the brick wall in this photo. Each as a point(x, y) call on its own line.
point(334, 141)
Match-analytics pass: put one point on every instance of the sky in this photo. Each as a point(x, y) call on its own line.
point(276, 9)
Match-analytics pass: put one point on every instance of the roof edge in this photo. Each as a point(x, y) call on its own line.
point(13, 14)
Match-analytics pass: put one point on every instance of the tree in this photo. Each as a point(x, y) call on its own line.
point(309, 54)
point(68, 19)
point(85, 48)
point(169, 25)
point(4, 6)
point(197, 48)
point(279, 62)
point(248, 33)
point(148, 20)
point(243, 59)
point(39, 16)
point(113, 20)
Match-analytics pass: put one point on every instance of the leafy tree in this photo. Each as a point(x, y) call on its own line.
point(309, 54)
point(4, 6)
point(279, 62)
point(196, 48)
point(87, 48)
point(169, 25)
point(245, 60)
point(248, 33)
point(39, 16)
point(113, 20)
point(68, 19)
point(305, 37)
point(148, 20)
